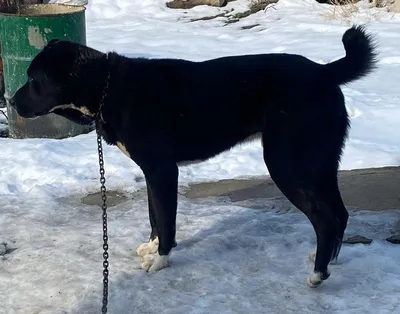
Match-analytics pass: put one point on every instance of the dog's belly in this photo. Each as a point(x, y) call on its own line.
point(189, 162)
point(195, 153)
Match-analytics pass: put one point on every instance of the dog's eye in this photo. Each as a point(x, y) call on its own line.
point(34, 85)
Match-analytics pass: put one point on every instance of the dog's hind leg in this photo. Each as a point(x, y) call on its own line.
point(329, 222)
point(315, 193)
point(342, 215)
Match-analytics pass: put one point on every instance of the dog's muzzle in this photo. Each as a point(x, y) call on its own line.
point(20, 110)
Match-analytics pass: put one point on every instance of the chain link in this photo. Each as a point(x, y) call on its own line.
point(103, 96)
point(104, 208)
point(99, 121)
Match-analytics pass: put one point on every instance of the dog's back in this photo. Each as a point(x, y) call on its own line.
point(208, 107)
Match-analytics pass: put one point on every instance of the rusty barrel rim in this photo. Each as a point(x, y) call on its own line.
point(40, 10)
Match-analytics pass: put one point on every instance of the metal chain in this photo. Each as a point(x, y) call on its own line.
point(104, 208)
point(99, 120)
point(104, 94)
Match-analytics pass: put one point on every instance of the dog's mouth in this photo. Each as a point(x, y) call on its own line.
point(74, 115)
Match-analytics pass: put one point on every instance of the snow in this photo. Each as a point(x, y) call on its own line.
point(229, 259)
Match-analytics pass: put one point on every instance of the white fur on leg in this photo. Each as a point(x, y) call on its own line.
point(154, 262)
point(150, 247)
point(150, 260)
point(147, 261)
point(160, 262)
point(315, 279)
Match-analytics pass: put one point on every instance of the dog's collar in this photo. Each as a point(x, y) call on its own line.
point(104, 95)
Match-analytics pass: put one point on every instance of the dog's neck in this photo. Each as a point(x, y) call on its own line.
point(91, 88)
point(99, 114)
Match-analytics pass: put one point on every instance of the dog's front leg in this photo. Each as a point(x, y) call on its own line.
point(162, 184)
point(150, 247)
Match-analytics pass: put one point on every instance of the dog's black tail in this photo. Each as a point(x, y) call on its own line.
point(359, 61)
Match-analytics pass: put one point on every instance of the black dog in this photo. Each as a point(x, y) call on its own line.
point(165, 112)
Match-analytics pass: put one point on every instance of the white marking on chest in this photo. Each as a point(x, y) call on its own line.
point(123, 149)
point(83, 109)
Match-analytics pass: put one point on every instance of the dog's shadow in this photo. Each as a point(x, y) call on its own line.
point(245, 261)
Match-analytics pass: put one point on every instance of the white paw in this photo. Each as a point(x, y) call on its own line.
point(150, 247)
point(147, 261)
point(154, 262)
point(160, 262)
point(315, 279)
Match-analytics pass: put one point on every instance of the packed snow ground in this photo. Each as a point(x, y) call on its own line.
point(229, 259)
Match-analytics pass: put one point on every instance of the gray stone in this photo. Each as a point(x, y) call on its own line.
point(357, 239)
point(368, 189)
point(188, 4)
point(395, 239)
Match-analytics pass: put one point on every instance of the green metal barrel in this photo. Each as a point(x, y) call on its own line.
point(24, 31)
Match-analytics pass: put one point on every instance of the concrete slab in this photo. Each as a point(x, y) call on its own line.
point(369, 189)
point(113, 198)
point(363, 189)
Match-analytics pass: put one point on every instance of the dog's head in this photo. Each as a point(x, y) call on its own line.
point(55, 77)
